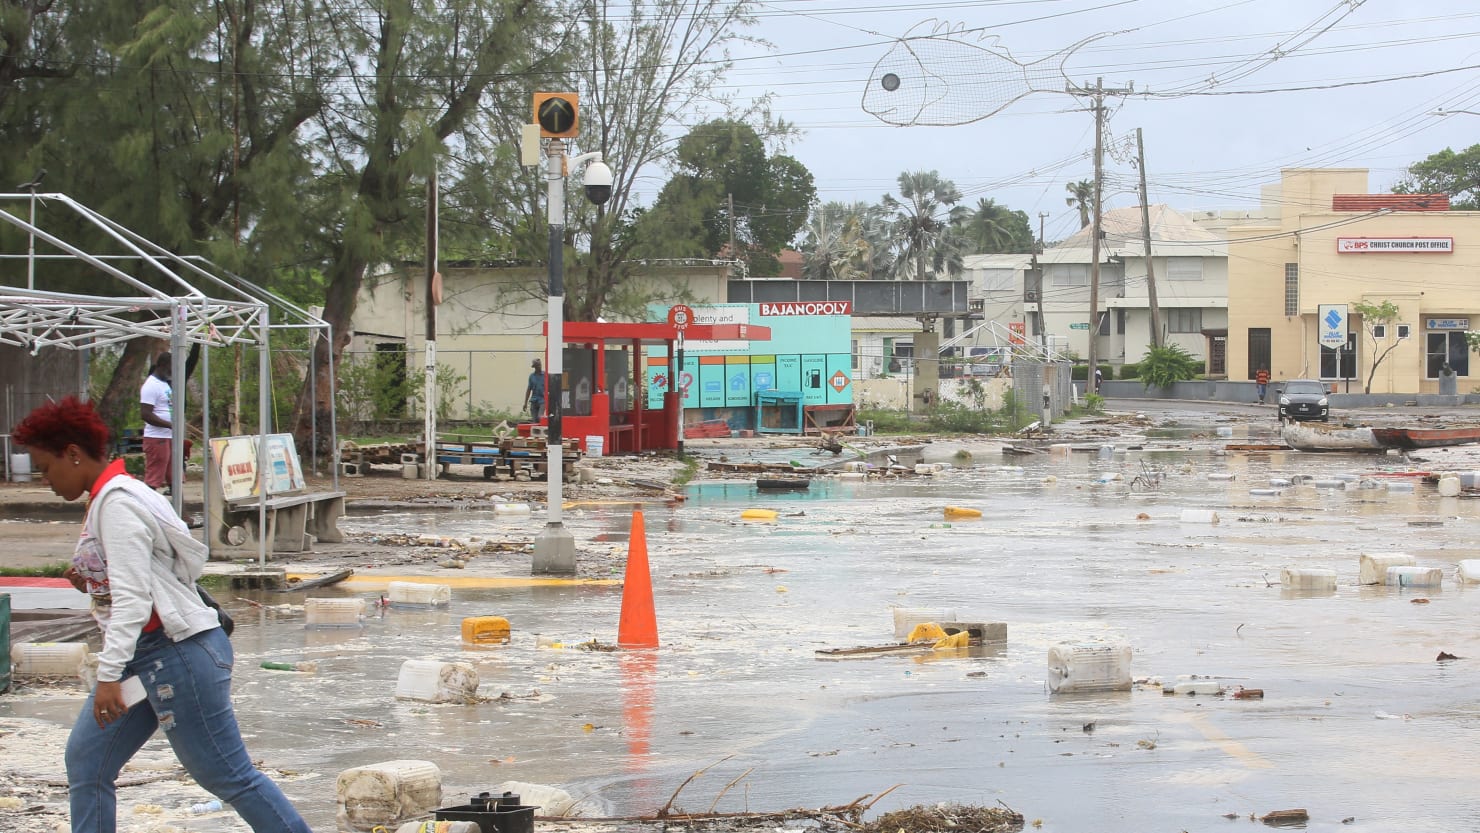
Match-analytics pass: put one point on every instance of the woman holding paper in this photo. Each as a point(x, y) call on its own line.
point(138, 562)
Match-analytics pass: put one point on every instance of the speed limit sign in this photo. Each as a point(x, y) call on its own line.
point(680, 316)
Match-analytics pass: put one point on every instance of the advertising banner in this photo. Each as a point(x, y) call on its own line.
point(1332, 323)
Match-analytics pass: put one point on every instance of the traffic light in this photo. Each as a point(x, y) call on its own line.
point(557, 114)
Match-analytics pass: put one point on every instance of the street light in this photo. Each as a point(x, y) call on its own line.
point(557, 115)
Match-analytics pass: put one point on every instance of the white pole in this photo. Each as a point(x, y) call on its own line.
point(554, 547)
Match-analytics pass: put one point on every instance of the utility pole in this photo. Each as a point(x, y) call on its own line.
point(1146, 235)
point(1094, 246)
point(730, 199)
point(433, 298)
point(1042, 215)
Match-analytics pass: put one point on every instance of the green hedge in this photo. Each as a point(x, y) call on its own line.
point(1130, 371)
point(1080, 372)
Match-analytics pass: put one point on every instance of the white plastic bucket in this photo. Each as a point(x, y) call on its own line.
point(20, 467)
point(49, 659)
point(1469, 571)
point(906, 618)
point(416, 594)
point(434, 681)
point(333, 613)
point(1374, 567)
point(387, 793)
point(595, 445)
point(1089, 667)
point(1308, 579)
point(1410, 576)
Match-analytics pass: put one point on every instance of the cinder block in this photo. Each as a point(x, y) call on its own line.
point(350, 470)
point(984, 631)
point(408, 458)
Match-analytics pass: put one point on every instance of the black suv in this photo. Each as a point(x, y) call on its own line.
point(1304, 399)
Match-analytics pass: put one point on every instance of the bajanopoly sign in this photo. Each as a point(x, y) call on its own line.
point(808, 308)
point(1387, 245)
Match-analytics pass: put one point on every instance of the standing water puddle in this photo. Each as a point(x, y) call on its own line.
point(1358, 719)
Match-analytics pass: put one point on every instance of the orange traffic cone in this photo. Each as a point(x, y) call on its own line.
point(638, 627)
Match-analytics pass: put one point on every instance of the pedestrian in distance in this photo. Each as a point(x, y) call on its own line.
point(157, 407)
point(1099, 378)
point(534, 391)
point(166, 661)
point(1261, 380)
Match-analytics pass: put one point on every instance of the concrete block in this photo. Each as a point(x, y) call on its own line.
point(260, 578)
point(408, 459)
point(351, 470)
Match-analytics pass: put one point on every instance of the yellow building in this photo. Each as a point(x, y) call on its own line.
point(1293, 281)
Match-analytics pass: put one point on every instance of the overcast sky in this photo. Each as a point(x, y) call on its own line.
point(1204, 151)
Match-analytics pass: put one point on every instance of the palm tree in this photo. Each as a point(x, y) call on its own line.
point(1082, 197)
point(925, 226)
point(842, 242)
point(996, 229)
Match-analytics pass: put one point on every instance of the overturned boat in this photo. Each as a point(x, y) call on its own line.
point(1426, 437)
point(1310, 436)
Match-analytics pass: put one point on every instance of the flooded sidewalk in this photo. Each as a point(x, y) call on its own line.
point(1358, 719)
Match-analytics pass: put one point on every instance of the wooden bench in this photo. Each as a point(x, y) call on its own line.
point(294, 516)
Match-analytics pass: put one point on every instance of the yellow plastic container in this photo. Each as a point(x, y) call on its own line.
point(959, 639)
point(961, 512)
point(927, 632)
point(758, 515)
point(485, 630)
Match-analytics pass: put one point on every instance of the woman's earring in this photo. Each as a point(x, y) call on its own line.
point(76, 462)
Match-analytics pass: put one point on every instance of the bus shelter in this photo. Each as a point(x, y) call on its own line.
point(604, 379)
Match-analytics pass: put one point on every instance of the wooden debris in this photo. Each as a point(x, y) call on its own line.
point(1285, 818)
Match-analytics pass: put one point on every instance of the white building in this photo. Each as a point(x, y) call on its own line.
point(1190, 269)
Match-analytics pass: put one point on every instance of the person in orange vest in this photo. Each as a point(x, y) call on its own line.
point(1261, 378)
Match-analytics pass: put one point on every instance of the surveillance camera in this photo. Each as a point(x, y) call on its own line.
point(598, 182)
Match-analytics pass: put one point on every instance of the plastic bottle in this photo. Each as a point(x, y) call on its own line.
point(201, 808)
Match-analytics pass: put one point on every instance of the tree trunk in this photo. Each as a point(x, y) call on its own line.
point(316, 400)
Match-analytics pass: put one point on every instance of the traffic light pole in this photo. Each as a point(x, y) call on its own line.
point(554, 546)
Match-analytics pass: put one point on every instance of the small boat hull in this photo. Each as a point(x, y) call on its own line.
point(783, 484)
point(1309, 436)
point(1426, 437)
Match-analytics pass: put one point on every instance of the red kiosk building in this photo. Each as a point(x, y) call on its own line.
point(604, 379)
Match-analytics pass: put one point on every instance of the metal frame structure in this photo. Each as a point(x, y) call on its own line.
point(239, 312)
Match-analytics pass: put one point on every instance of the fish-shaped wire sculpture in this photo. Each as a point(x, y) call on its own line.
point(950, 75)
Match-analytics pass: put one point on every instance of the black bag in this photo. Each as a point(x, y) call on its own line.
point(227, 624)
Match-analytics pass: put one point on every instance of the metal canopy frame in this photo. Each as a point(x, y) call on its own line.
point(237, 312)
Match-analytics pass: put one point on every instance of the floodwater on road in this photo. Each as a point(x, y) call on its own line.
point(1358, 721)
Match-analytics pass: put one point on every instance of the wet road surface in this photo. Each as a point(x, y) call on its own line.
point(1359, 720)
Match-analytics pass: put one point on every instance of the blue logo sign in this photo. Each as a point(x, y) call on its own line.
point(1333, 319)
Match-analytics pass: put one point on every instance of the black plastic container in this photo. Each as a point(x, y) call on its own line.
point(492, 813)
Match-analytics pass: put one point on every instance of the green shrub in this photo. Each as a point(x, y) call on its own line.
point(1080, 372)
point(1130, 371)
point(1165, 366)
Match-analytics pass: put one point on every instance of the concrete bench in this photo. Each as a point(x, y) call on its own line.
point(294, 521)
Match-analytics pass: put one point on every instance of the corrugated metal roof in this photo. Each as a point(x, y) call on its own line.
point(1125, 224)
point(1395, 202)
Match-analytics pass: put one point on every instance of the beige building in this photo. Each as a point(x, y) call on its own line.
point(489, 324)
point(1335, 245)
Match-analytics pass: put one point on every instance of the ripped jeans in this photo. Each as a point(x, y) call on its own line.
point(188, 685)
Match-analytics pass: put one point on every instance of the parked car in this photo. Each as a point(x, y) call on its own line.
point(1302, 399)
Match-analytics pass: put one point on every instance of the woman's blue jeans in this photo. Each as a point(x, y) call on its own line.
point(189, 696)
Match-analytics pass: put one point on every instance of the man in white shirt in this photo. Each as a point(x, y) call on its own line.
point(157, 401)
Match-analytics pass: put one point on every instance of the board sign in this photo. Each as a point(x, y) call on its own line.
point(1448, 323)
point(1331, 322)
point(1078, 326)
point(680, 316)
point(807, 308)
point(1395, 245)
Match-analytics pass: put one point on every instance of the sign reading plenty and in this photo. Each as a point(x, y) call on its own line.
point(1331, 321)
point(1390, 245)
point(808, 308)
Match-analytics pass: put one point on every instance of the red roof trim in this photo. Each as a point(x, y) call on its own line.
point(1394, 202)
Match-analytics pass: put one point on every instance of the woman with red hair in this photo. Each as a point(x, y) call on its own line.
point(139, 563)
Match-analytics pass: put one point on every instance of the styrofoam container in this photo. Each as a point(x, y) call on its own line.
point(1200, 686)
point(434, 681)
point(1374, 566)
point(1469, 570)
point(1198, 516)
point(1089, 667)
point(906, 618)
point(417, 594)
point(511, 509)
point(1449, 487)
point(1410, 576)
point(1222, 475)
point(333, 613)
point(1308, 579)
point(49, 659)
point(387, 793)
